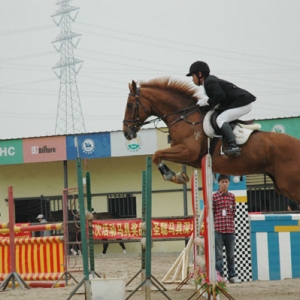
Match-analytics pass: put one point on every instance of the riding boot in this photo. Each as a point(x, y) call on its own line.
point(232, 148)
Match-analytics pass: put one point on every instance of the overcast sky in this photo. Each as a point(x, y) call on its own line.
point(255, 44)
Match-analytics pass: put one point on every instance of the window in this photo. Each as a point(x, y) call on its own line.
point(122, 205)
point(27, 209)
point(262, 196)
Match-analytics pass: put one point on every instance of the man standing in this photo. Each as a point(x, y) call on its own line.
point(42, 220)
point(224, 208)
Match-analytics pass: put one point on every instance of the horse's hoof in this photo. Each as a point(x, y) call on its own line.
point(181, 178)
point(169, 175)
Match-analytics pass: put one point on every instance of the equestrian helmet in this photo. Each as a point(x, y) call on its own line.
point(198, 66)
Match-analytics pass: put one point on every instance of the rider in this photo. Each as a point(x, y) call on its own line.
point(233, 101)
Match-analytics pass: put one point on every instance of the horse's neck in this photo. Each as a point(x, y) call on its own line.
point(166, 103)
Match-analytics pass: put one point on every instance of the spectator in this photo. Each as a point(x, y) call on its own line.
point(42, 220)
point(224, 208)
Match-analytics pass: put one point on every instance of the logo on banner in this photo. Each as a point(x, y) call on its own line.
point(278, 128)
point(88, 146)
point(134, 145)
point(7, 151)
point(42, 150)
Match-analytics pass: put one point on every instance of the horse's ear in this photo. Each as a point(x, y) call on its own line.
point(132, 87)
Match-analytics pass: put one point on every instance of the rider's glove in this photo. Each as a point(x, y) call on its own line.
point(203, 102)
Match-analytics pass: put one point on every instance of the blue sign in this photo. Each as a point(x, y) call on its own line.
point(89, 146)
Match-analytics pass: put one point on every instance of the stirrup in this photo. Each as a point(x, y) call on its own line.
point(236, 151)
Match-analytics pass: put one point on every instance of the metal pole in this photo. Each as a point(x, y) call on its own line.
point(83, 225)
point(185, 205)
point(91, 240)
point(65, 174)
point(148, 227)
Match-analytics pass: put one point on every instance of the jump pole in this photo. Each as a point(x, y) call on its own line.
point(85, 279)
point(209, 231)
point(198, 219)
point(42, 227)
point(67, 274)
point(13, 276)
point(147, 277)
point(207, 183)
point(91, 240)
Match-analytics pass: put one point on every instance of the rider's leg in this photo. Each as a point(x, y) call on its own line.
point(223, 119)
point(233, 114)
point(232, 148)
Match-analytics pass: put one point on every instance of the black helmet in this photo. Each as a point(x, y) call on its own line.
point(198, 66)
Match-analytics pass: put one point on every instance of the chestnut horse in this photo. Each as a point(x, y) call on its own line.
point(174, 102)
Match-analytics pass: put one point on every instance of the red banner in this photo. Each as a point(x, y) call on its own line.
point(131, 229)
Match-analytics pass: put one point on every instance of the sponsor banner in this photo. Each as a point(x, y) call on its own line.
point(131, 229)
point(145, 143)
point(11, 152)
point(287, 125)
point(44, 149)
point(89, 146)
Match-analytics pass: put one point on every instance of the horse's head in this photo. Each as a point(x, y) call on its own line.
point(134, 116)
point(170, 100)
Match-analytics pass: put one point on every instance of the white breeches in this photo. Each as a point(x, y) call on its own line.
point(233, 114)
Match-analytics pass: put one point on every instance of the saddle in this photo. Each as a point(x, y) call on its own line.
point(241, 129)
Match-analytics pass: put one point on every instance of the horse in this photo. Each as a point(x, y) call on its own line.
point(174, 102)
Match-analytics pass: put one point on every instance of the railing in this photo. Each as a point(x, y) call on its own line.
point(266, 199)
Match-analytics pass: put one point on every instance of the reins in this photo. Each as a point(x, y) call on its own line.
point(187, 112)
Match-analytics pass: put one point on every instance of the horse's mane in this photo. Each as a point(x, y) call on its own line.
point(173, 85)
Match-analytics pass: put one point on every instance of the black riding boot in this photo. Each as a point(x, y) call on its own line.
point(232, 148)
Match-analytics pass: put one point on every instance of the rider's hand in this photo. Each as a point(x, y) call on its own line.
point(202, 102)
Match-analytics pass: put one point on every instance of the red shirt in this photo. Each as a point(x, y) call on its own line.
point(224, 208)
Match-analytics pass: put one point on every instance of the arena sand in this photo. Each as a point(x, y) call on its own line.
point(116, 265)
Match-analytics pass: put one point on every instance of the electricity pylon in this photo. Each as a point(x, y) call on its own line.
point(69, 118)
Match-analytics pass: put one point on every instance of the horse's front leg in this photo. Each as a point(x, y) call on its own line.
point(178, 154)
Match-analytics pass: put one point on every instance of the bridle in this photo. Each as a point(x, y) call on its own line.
point(136, 124)
point(136, 115)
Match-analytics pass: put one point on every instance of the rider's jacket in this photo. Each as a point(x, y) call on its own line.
point(225, 93)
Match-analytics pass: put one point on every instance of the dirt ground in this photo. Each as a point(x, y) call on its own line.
point(117, 265)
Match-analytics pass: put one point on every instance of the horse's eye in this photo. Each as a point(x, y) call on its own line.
point(129, 105)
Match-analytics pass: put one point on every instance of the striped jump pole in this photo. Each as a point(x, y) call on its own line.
point(42, 227)
point(209, 235)
point(4, 225)
point(209, 232)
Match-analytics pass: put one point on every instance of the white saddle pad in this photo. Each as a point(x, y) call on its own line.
point(241, 131)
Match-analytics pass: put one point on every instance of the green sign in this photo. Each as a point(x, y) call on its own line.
point(11, 152)
point(290, 126)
